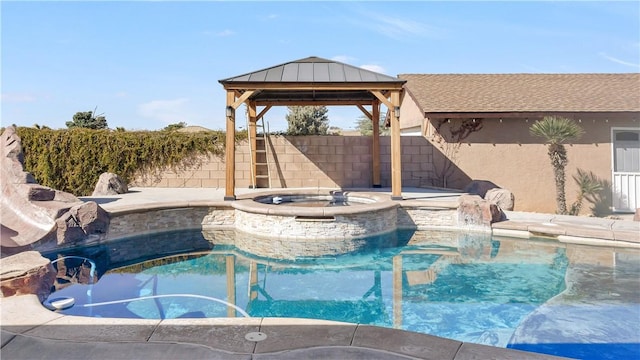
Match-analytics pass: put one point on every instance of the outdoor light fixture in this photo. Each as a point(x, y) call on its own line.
point(229, 111)
point(396, 111)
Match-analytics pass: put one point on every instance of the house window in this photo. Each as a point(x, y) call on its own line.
point(626, 151)
point(627, 136)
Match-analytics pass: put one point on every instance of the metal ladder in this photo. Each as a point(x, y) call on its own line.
point(262, 150)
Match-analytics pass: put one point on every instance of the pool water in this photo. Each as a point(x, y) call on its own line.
point(531, 295)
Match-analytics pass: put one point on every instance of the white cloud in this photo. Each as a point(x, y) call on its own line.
point(350, 60)
point(618, 61)
point(166, 111)
point(343, 59)
point(402, 25)
point(225, 33)
point(267, 17)
point(374, 68)
point(398, 28)
point(18, 97)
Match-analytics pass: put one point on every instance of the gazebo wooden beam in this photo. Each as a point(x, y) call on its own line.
point(396, 148)
point(312, 102)
point(242, 99)
point(365, 112)
point(383, 99)
point(314, 86)
point(263, 112)
point(230, 152)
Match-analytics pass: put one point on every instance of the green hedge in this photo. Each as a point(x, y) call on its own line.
point(72, 160)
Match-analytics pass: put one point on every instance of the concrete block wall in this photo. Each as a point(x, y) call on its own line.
point(307, 161)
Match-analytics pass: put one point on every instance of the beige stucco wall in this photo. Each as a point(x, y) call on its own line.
point(412, 118)
point(506, 154)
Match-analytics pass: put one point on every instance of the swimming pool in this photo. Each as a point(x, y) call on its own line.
point(533, 295)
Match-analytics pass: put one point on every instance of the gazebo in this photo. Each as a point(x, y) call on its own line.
point(315, 81)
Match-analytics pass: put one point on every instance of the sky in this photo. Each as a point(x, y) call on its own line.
point(147, 64)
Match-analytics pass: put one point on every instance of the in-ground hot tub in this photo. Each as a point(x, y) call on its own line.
point(290, 224)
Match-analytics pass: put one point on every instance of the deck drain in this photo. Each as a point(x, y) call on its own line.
point(255, 336)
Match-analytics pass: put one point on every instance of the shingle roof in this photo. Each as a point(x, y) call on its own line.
point(312, 70)
point(477, 93)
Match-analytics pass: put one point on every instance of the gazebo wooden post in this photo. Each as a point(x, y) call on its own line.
point(375, 119)
point(396, 158)
point(230, 153)
point(251, 107)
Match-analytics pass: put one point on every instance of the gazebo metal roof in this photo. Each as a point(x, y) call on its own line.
point(314, 70)
point(312, 80)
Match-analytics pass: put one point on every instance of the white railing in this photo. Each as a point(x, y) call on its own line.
point(626, 191)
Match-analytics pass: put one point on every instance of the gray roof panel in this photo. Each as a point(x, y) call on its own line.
point(336, 73)
point(274, 74)
point(368, 76)
point(258, 75)
point(243, 78)
point(313, 69)
point(305, 72)
point(289, 72)
point(321, 72)
point(352, 74)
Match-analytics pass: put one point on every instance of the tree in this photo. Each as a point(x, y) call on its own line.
point(307, 120)
point(589, 187)
point(88, 120)
point(365, 126)
point(173, 127)
point(448, 136)
point(556, 131)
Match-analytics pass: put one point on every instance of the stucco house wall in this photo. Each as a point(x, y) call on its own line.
point(506, 154)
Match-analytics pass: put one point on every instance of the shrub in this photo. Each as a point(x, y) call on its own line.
point(72, 160)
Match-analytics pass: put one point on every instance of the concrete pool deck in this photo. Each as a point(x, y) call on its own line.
point(29, 331)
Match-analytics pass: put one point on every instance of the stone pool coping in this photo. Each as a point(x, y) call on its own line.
point(570, 229)
point(30, 331)
point(563, 228)
point(375, 202)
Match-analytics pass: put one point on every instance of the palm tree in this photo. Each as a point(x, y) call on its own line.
point(589, 186)
point(556, 131)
